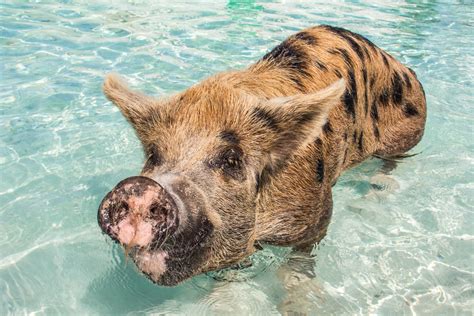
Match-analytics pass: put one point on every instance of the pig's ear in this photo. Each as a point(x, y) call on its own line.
point(298, 119)
point(135, 106)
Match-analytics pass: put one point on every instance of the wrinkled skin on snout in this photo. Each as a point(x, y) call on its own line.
point(193, 207)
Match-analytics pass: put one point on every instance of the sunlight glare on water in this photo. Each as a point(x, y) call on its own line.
point(396, 245)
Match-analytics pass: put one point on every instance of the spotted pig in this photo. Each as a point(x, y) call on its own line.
point(249, 157)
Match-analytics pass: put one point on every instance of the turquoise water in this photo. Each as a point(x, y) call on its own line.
point(405, 247)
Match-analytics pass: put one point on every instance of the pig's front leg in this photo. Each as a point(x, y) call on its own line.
point(298, 278)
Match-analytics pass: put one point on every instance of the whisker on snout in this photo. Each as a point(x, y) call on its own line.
point(159, 243)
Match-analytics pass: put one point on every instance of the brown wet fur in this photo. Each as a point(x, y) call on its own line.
point(295, 141)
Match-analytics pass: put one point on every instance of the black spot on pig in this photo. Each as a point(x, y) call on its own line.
point(293, 58)
point(366, 83)
point(397, 87)
point(304, 118)
point(385, 60)
point(345, 56)
point(360, 143)
point(350, 96)
point(348, 34)
point(374, 112)
point(345, 154)
point(384, 97)
point(320, 170)
point(412, 71)
point(321, 66)
point(306, 37)
point(376, 130)
point(266, 118)
point(407, 80)
point(410, 110)
point(327, 128)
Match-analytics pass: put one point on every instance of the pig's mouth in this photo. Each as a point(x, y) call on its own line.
point(180, 258)
point(141, 216)
point(168, 261)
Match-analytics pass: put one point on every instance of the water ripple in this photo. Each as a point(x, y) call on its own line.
point(399, 243)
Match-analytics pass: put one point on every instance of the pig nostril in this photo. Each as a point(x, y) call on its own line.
point(158, 211)
point(154, 209)
point(123, 207)
point(119, 211)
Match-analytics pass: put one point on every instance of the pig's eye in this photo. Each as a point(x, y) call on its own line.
point(229, 162)
point(232, 159)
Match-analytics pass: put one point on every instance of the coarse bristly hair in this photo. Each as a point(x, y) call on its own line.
point(322, 101)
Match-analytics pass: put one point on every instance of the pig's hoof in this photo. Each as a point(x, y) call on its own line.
point(383, 183)
point(302, 296)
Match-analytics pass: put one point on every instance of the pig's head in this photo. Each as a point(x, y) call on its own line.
point(193, 207)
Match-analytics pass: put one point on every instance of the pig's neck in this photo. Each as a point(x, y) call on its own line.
point(294, 207)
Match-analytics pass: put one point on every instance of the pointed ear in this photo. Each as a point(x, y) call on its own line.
point(135, 106)
point(298, 119)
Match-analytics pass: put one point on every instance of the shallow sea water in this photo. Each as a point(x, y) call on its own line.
point(405, 247)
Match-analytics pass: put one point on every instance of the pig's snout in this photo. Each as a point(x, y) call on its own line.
point(138, 212)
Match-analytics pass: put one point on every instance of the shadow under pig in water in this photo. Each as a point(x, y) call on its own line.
point(105, 294)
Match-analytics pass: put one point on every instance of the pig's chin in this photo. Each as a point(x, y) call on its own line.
point(181, 258)
point(151, 263)
point(165, 267)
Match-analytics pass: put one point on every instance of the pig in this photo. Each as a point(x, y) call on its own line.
point(249, 157)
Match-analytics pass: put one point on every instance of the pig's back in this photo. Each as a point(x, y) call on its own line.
point(383, 110)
